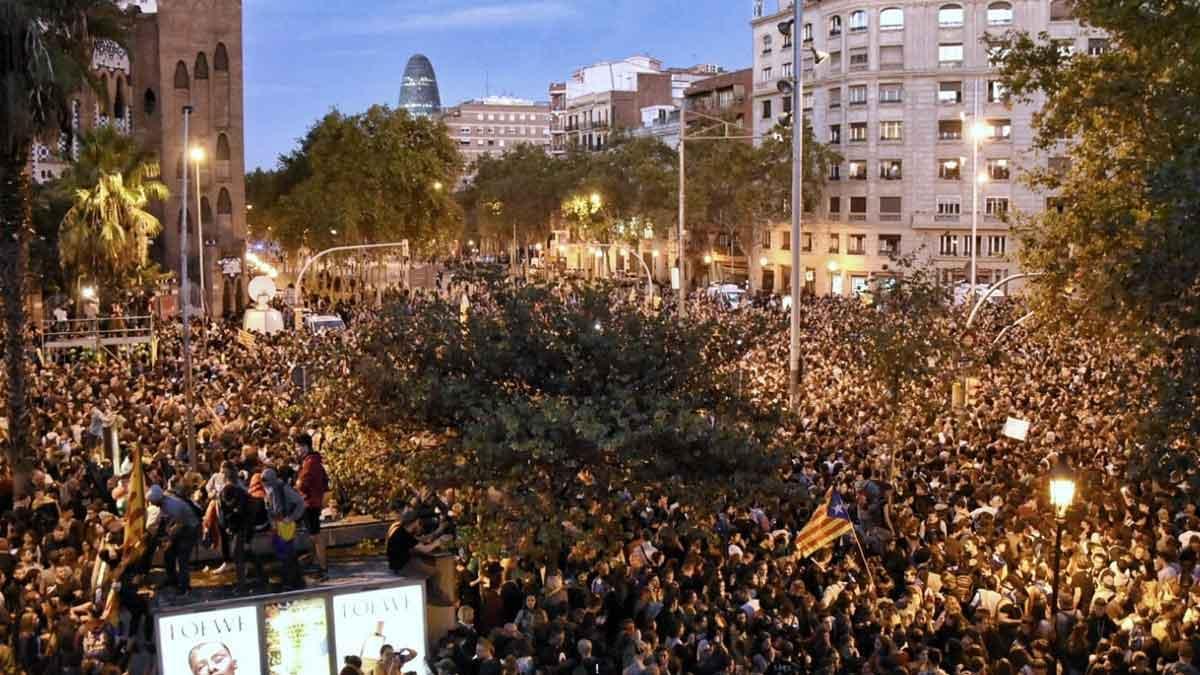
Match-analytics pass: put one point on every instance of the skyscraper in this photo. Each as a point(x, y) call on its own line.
point(419, 92)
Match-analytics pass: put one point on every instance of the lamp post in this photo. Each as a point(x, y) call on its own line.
point(1062, 494)
point(185, 294)
point(977, 131)
point(197, 155)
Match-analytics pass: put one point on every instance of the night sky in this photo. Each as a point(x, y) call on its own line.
point(304, 57)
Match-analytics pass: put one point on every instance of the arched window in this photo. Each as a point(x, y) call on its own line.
point(224, 203)
point(766, 43)
point(222, 148)
point(891, 18)
point(858, 21)
point(206, 214)
point(835, 25)
point(221, 59)
point(999, 14)
point(181, 76)
point(950, 15)
point(103, 103)
point(149, 102)
point(201, 70)
point(808, 32)
point(119, 100)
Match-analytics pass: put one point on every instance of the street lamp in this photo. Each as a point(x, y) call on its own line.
point(978, 131)
point(1062, 495)
point(197, 155)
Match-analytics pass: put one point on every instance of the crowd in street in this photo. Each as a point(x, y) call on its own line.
point(953, 576)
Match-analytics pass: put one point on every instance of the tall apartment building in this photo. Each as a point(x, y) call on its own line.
point(493, 124)
point(904, 86)
point(611, 95)
point(179, 54)
point(558, 118)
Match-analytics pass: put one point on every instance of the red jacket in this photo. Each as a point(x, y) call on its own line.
point(313, 482)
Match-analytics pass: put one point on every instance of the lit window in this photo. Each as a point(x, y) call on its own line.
point(858, 94)
point(835, 239)
point(950, 130)
point(995, 207)
point(858, 21)
point(950, 16)
point(857, 244)
point(808, 32)
point(950, 169)
point(997, 245)
point(949, 93)
point(891, 169)
point(858, 132)
point(857, 170)
point(999, 130)
point(997, 169)
point(996, 92)
point(835, 134)
point(891, 18)
point(948, 245)
point(891, 130)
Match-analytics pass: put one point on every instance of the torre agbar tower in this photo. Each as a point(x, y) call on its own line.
point(904, 86)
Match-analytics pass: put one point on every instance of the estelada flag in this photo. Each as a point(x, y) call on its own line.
point(135, 509)
point(246, 339)
point(828, 523)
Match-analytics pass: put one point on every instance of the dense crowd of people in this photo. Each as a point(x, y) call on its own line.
point(954, 572)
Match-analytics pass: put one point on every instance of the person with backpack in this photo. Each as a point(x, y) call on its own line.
point(235, 516)
point(312, 483)
point(179, 523)
point(286, 509)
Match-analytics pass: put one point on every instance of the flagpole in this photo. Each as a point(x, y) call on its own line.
point(866, 565)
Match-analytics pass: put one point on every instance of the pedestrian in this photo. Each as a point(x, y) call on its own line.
point(179, 522)
point(286, 509)
point(312, 483)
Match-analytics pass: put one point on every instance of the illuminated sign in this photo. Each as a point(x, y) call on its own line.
point(218, 642)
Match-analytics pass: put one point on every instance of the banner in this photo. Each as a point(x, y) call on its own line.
point(297, 637)
point(366, 622)
point(219, 642)
point(246, 339)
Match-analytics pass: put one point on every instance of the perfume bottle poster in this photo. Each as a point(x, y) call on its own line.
point(366, 623)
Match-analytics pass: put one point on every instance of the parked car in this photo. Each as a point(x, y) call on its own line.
point(731, 296)
point(320, 323)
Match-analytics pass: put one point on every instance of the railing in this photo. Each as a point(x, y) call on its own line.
point(97, 333)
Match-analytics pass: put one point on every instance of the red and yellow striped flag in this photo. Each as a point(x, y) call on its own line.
point(829, 522)
point(135, 508)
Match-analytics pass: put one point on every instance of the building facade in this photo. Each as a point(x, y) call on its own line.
point(904, 95)
point(419, 90)
point(180, 54)
point(558, 118)
point(491, 125)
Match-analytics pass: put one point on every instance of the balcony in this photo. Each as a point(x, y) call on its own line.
point(889, 217)
point(858, 216)
point(946, 218)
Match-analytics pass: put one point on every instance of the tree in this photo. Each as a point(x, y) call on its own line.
point(519, 191)
point(45, 56)
point(378, 176)
point(1121, 253)
point(106, 234)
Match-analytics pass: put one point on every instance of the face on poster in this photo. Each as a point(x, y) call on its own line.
point(297, 637)
point(365, 623)
point(219, 642)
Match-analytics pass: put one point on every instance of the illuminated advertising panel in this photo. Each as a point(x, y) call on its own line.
point(297, 636)
point(217, 642)
point(365, 622)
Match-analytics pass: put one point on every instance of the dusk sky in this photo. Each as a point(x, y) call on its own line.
point(304, 57)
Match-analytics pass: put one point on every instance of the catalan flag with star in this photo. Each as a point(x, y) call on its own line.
point(827, 524)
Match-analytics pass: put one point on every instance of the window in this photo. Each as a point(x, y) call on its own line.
point(858, 21)
point(200, 70)
point(859, 59)
point(949, 206)
point(805, 242)
point(891, 130)
point(857, 170)
point(857, 244)
point(1097, 46)
point(950, 169)
point(891, 169)
point(1066, 48)
point(858, 209)
point(967, 244)
point(999, 129)
point(891, 93)
point(835, 97)
point(808, 32)
point(786, 70)
point(764, 240)
point(949, 93)
point(948, 245)
point(835, 239)
point(808, 100)
point(996, 91)
point(999, 14)
point(858, 94)
point(1060, 10)
point(891, 57)
point(995, 207)
point(889, 244)
point(950, 55)
point(997, 245)
point(858, 132)
point(766, 109)
point(949, 16)
point(835, 62)
point(766, 75)
point(149, 102)
point(835, 26)
point(835, 134)
point(786, 243)
point(181, 76)
point(950, 130)
point(891, 18)
point(787, 103)
point(835, 205)
point(766, 44)
point(835, 172)
point(997, 169)
point(221, 58)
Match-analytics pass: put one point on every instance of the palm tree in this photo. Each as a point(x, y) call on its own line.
point(45, 56)
point(106, 235)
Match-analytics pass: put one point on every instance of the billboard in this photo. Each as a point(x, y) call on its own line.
point(297, 636)
point(364, 622)
point(216, 642)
